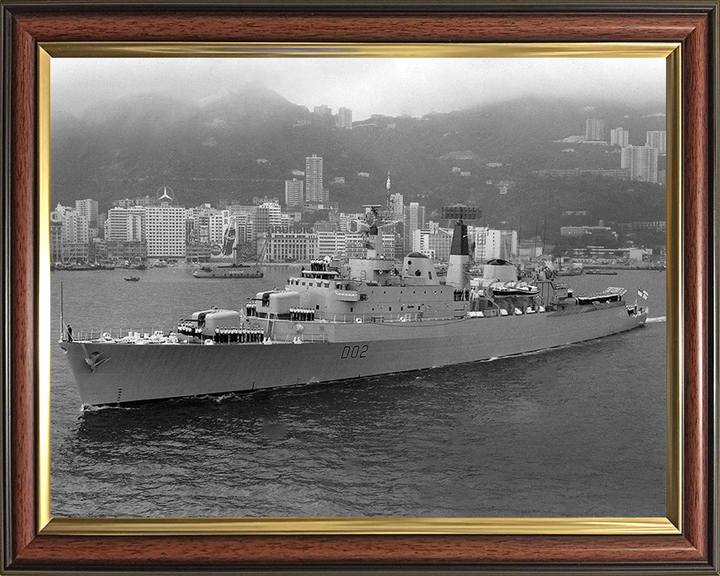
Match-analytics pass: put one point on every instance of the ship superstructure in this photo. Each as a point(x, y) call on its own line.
point(335, 321)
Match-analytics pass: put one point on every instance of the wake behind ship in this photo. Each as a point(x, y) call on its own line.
point(372, 316)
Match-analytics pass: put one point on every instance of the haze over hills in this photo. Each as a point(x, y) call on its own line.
point(234, 145)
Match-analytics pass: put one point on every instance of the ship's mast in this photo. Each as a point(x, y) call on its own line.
point(62, 314)
point(236, 244)
point(459, 262)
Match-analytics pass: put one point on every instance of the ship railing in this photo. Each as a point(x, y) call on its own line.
point(85, 335)
point(306, 338)
point(385, 318)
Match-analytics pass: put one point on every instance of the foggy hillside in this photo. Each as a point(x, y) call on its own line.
point(234, 145)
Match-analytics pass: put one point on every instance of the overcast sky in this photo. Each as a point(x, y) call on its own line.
point(391, 86)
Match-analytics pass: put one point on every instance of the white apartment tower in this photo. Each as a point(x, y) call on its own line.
point(414, 220)
point(75, 229)
point(657, 139)
point(89, 209)
point(165, 231)
point(619, 137)
point(641, 161)
point(294, 193)
point(125, 224)
point(314, 179)
point(595, 129)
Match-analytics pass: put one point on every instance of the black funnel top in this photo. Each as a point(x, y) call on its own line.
point(460, 245)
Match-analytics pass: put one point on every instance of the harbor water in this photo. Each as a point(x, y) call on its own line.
point(574, 431)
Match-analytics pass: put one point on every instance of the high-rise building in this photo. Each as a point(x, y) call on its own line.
point(267, 217)
point(414, 220)
point(70, 235)
point(641, 161)
point(75, 227)
point(125, 224)
point(314, 179)
point(294, 194)
point(657, 139)
point(165, 232)
point(89, 209)
point(595, 129)
point(344, 118)
point(619, 137)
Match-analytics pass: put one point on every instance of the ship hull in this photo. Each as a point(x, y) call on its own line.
point(112, 373)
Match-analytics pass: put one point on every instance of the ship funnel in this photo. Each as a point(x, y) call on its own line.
point(459, 263)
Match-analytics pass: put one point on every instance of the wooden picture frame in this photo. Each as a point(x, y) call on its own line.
point(30, 547)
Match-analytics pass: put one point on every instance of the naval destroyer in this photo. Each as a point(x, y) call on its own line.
point(334, 321)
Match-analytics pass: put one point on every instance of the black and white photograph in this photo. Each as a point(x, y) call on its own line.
point(355, 287)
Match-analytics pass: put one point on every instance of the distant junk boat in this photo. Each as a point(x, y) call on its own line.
point(370, 317)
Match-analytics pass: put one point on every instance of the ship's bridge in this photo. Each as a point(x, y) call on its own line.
point(322, 274)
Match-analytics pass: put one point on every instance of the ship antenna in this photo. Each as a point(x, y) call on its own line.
point(387, 194)
point(62, 315)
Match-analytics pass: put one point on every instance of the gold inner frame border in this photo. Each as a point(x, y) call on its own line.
point(671, 524)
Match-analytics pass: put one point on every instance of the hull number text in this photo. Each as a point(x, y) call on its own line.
point(354, 352)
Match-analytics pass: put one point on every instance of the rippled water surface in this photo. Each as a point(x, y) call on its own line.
point(576, 431)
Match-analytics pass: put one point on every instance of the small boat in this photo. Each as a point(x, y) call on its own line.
point(517, 288)
point(132, 279)
point(600, 272)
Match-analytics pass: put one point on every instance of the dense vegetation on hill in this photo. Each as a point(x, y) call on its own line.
point(243, 144)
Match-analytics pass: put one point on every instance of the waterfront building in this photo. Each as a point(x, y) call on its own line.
point(330, 243)
point(69, 235)
point(125, 224)
point(291, 247)
point(122, 251)
point(89, 209)
point(165, 232)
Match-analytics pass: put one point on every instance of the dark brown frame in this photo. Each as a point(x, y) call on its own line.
point(692, 23)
